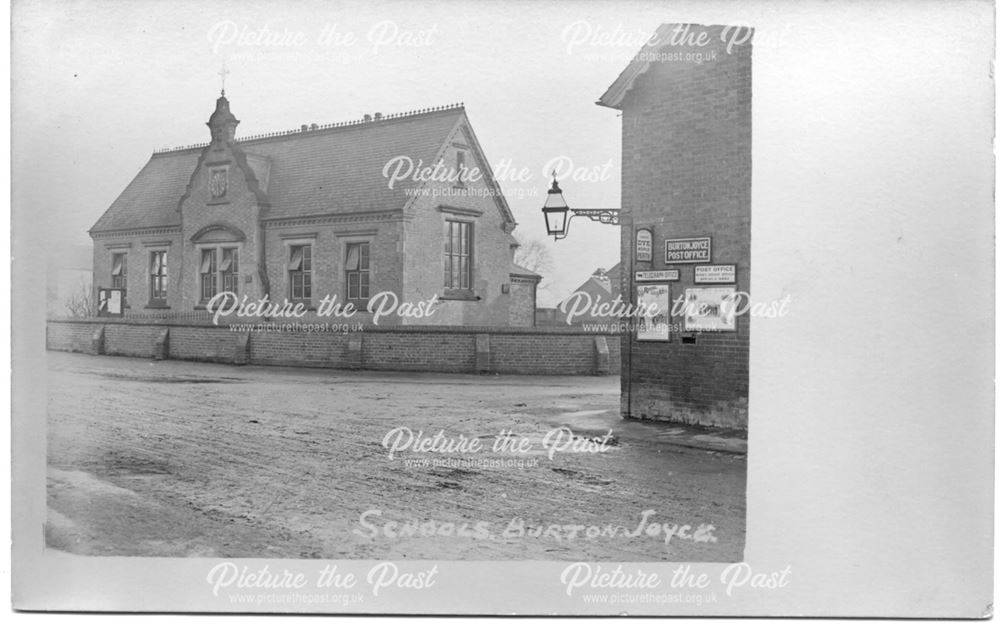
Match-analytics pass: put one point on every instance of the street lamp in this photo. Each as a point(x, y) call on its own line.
point(557, 217)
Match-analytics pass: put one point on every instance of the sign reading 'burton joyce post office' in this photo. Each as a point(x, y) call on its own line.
point(694, 250)
point(719, 274)
point(658, 275)
point(644, 245)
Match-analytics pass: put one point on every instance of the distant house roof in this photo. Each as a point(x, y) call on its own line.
point(331, 169)
point(518, 270)
point(614, 275)
point(610, 285)
point(593, 283)
point(608, 278)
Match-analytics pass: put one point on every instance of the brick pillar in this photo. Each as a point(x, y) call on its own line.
point(602, 364)
point(241, 356)
point(161, 349)
point(354, 346)
point(97, 341)
point(482, 354)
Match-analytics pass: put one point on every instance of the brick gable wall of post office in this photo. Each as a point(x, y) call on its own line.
point(686, 144)
point(412, 348)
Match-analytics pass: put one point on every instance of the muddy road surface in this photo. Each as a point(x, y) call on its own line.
point(173, 458)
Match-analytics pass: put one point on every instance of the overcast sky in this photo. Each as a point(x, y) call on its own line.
point(98, 85)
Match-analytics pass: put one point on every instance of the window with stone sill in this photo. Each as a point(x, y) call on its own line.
point(119, 274)
point(357, 266)
point(208, 278)
point(158, 278)
point(119, 270)
point(219, 271)
point(300, 273)
point(458, 244)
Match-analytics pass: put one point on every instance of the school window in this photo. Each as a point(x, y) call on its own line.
point(230, 270)
point(219, 272)
point(158, 278)
point(358, 267)
point(300, 272)
point(458, 256)
point(208, 270)
point(119, 270)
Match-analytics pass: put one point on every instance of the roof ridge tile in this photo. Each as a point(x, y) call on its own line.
point(332, 125)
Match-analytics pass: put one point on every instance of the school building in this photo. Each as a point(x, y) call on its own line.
point(342, 211)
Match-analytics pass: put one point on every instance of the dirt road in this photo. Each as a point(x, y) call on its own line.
point(177, 458)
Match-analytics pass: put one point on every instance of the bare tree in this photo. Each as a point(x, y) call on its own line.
point(80, 303)
point(535, 255)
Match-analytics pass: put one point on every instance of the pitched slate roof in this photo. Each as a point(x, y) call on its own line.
point(520, 270)
point(614, 275)
point(611, 285)
point(333, 169)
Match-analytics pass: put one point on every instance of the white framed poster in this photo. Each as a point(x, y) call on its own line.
point(654, 312)
point(710, 308)
point(110, 302)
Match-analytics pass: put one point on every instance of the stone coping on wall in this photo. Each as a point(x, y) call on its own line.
point(367, 328)
point(453, 349)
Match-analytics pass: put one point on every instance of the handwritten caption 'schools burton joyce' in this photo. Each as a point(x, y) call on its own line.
point(372, 526)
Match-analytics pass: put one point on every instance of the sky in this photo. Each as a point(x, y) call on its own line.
point(99, 84)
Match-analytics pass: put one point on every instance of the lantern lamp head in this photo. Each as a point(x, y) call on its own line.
point(555, 210)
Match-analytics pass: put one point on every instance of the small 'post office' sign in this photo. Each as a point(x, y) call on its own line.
point(716, 274)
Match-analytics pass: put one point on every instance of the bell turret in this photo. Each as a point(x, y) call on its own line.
point(222, 123)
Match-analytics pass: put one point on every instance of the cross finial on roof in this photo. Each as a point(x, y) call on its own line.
point(222, 74)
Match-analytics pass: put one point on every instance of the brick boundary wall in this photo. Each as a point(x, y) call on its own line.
point(452, 349)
